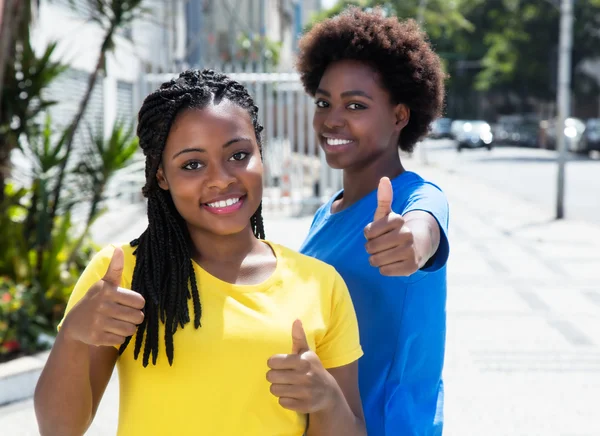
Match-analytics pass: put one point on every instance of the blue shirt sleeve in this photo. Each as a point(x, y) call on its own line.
point(429, 198)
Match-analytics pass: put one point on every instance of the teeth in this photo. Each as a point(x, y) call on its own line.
point(333, 141)
point(224, 203)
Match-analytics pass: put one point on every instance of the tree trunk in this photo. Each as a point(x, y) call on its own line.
point(5, 149)
point(72, 129)
point(15, 9)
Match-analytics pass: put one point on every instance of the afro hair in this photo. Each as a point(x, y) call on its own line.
point(398, 50)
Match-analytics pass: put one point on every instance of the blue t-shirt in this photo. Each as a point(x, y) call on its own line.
point(402, 320)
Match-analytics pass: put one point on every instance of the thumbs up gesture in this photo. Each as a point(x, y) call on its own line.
point(299, 379)
point(107, 314)
point(390, 242)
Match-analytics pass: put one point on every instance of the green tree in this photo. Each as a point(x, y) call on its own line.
point(111, 16)
point(503, 49)
point(521, 44)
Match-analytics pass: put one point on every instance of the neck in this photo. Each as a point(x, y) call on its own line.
point(358, 182)
point(209, 247)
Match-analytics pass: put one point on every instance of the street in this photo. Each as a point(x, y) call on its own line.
point(527, 173)
point(522, 356)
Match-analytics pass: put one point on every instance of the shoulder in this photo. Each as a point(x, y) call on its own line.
point(411, 182)
point(96, 269)
point(101, 259)
point(107, 251)
point(413, 189)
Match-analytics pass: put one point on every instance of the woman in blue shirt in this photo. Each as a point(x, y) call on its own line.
point(377, 86)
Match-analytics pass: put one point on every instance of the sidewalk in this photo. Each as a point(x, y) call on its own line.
point(523, 316)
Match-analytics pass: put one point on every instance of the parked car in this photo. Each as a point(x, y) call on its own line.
point(591, 135)
point(574, 131)
point(456, 128)
point(440, 128)
point(522, 130)
point(474, 134)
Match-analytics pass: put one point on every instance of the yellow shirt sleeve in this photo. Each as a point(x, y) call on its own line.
point(340, 345)
point(93, 272)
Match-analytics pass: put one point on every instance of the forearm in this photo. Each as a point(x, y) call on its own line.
point(63, 395)
point(337, 420)
point(426, 236)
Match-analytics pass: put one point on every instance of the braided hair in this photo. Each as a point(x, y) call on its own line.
point(164, 273)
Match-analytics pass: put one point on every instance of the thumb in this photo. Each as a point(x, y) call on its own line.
point(299, 342)
point(115, 268)
point(385, 194)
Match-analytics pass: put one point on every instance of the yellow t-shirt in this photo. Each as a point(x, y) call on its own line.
point(217, 384)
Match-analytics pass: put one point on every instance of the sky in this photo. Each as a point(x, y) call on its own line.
point(328, 3)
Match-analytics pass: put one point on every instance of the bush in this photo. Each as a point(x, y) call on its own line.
point(35, 284)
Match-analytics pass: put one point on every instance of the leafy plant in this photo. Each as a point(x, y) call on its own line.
point(23, 101)
point(44, 251)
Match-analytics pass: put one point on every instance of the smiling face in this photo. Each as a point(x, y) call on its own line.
point(355, 119)
point(212, 168)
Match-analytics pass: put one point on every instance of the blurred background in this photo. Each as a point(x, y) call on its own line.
point(517, 152)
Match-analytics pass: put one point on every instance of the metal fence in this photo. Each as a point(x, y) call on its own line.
point(297, 177)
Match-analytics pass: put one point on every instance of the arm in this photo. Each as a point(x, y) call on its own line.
point(100, 316)
point(71, 386)
point(400, 245)
point(345, 416)
point(426, 235)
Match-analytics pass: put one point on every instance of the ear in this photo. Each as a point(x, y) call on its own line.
point(161, 179)
point(402, 116)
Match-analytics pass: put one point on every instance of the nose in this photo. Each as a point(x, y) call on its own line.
point(219, 177)
point(334, 119)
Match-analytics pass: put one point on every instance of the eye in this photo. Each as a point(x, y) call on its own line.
point(240, 155)
point(192, 165)
point(321, 104)
point(356, 106)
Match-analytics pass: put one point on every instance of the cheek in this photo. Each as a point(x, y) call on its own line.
point(184, 190)
point(317, 121)
point(253, 175)
point(375, 129)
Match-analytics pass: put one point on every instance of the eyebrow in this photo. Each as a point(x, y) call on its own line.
point(352, 93)
point(202, 150)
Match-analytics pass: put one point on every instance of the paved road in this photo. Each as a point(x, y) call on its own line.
point(530, 174)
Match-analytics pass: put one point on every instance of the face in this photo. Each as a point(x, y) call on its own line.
point(211, 165)
point(355, 120)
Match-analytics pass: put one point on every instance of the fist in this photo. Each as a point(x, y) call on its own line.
point(107, 314)
point(390, 243)
point(299, 379)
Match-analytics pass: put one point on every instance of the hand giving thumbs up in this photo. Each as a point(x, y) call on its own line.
point(299, 379)
point(389, 241)
point(107, 314)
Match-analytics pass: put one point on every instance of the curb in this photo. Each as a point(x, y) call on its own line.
point(19, 377)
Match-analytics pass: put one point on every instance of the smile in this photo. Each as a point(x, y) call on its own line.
point(337, 142)
point(225, 206)
point(224, 203)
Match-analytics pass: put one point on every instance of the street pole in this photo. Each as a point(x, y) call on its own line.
point(563, 98)
point(261, 21)
point(420, 20)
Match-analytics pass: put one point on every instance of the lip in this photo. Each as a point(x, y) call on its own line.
point(332, 136)
point(227, 209)
point(336, 148)
point(225, 197)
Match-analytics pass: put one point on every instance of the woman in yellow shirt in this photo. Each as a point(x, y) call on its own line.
point(214, 331)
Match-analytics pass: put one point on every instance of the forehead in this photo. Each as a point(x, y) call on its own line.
point(223, 119)
point(350, 75)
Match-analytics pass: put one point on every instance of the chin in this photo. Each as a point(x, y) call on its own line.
point(229, 230)
point(336, 164)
